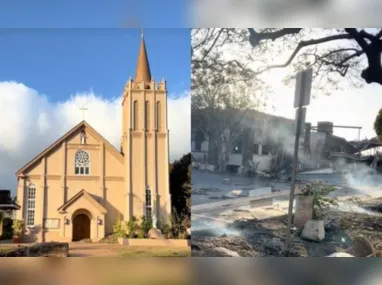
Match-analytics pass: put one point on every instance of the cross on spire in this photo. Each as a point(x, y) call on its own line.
point(142, 32)
point(83, 109)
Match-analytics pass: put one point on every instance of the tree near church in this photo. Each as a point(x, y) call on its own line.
point(219, 108)
point(378, 125)
point(334, 54)
point(221, 99)
point(180, 190)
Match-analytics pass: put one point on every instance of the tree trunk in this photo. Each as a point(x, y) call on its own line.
point(248, 142)
point(223, 154)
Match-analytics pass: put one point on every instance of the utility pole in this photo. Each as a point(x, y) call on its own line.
point(301, 99)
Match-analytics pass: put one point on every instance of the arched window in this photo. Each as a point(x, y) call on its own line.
point(148, 203)
point(147, 111)
point(135, 113)
point(159, 116)
point(31, 205)
point(82, 163)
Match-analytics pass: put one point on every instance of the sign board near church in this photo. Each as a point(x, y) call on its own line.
point(303, 87)
point(51, 223)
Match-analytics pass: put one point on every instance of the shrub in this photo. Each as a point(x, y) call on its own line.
point(180, 188)
point(119, 229)
point(179, 225)
point(321, 201)
point(164, 227)
point(7, 228)
point(146, 224)
point(17, 227)
point(133, 227)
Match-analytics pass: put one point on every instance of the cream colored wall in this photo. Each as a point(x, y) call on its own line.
point(97, 231)
point(114, 203)
point(113, 166)
point(163, 160)
point(53, 161)
point(148, 149)
point(59, 162)
point(76, 138)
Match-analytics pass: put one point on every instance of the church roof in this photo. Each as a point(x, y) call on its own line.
point(77, 128)
point(143, 67)
point(88, 197)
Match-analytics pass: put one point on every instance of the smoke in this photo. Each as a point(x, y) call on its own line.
point(354, 208)
point(363, 177)
point(206, 225)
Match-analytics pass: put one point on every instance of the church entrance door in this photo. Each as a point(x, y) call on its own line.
point(81, 227)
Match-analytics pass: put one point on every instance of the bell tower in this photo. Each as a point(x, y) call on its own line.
point(144, 143)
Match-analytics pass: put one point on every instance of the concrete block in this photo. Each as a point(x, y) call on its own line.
point(303, 210)
point(235, 194)
point(259, 191)
point(313, 230)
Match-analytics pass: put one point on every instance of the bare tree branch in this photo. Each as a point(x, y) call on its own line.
point(303, 44)
point(357, 37)
point(255, 37)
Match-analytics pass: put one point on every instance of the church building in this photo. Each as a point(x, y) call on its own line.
point(81, 185)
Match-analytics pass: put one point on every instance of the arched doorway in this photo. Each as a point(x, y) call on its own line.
point(81, 226)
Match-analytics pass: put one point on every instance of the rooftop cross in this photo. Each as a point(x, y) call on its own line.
point(83, 109)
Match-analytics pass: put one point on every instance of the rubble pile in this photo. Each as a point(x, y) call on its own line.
point(259, 238)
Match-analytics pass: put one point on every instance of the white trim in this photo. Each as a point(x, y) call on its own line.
point(28, 208)
point(84, 167)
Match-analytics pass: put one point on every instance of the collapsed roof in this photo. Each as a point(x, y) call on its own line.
point(366, 144)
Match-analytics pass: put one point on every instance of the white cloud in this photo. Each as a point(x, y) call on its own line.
point(29, 123)
point(348, 107)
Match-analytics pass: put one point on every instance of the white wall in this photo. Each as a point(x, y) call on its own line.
point(204, 147)
point(265, 162)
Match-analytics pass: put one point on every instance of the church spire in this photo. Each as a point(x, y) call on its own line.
point(143, 67)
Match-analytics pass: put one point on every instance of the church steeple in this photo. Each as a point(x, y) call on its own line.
point(143, 67)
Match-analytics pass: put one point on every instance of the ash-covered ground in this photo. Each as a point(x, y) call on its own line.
point(246, 231)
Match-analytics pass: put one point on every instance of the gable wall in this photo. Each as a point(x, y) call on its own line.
point(105, 182)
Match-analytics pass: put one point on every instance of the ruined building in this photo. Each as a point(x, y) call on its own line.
point(266, 144)
point(262, 136)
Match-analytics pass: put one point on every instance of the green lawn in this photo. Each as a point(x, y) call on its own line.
point(154, 252)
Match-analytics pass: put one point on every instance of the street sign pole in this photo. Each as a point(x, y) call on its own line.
point(302, 98)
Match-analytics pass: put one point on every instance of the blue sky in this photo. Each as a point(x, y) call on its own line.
point(60, 62)
point(46, 75)
point(93, 13)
